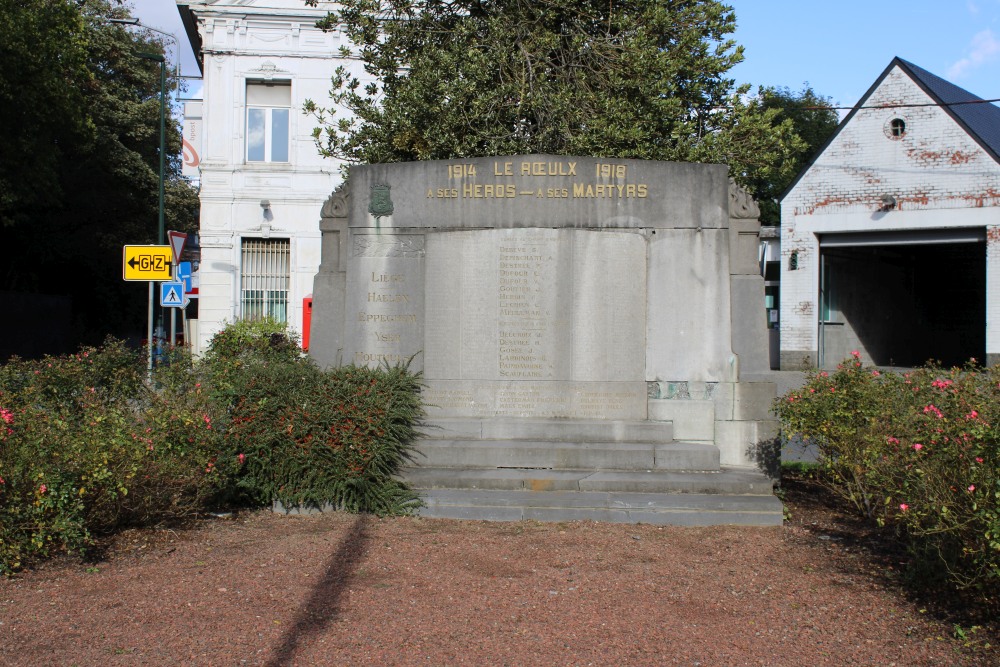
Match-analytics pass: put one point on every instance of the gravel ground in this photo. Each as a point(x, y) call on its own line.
point(334, 589)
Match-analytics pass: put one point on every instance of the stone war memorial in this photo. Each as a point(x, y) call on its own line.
point(591, 333)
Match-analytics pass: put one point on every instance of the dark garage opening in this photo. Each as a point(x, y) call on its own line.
point(903, 300)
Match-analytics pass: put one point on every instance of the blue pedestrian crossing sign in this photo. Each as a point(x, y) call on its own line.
point(172, 295)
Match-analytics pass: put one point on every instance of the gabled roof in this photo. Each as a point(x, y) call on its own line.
point(981, 120)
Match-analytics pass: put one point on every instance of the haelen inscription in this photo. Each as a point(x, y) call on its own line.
point(513, 180)
point(385, 290)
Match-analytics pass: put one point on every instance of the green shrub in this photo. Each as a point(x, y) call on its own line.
point(917, 452)
point(86, 448)
point(88, 445)
point(67, 457)
point(247, 344)
point(310, 438)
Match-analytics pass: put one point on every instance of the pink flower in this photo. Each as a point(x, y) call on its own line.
point(979, 459)
point(242, 458)
point(972, 415)
point(876, 373)
point(918, 446)
point(931, 409)
point(972, 487)
point(892, 441)
point(903, 507)
point(1, 481)
point(7, 416)
point(43, 488)
point(855, 354)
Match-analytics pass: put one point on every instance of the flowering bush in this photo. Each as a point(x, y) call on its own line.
point(88, 445)
point(917, 452)
point(65, 456)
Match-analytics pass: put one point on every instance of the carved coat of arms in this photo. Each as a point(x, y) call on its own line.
point(380, 204)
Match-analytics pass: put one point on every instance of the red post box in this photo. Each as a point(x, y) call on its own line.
point(307, 312)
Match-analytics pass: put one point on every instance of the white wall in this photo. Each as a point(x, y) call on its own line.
point(269, 40)
point(940, 177)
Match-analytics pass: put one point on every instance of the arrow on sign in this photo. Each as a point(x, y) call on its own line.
point(148, 262)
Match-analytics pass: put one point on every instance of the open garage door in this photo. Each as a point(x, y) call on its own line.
point(903, 298)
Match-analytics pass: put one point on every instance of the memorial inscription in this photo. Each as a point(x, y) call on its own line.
point(388, 299)
point(505, 181)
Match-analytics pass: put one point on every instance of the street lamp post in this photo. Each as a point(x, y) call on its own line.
point(161, 232)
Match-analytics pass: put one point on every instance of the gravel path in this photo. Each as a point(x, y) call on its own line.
point(263, 589)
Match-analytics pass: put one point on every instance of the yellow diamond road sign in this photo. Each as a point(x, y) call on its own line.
point(146, 262)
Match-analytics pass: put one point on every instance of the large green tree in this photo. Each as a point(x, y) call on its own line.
point(615, 78)
point(814, 120)
point(79, 158)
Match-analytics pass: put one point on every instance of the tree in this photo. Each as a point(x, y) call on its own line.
point(43, 72)
point(620, 78)
point(814, 120)
point(79, 158)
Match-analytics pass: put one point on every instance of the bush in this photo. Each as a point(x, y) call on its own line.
point(67, 455)
point(88, 446)
point(311, 438)
point(917, 452)
point(247, 344)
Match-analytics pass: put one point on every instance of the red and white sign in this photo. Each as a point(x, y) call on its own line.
point(176, 241)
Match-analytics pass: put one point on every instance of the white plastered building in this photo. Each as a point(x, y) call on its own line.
point(263, 181)
point(890, 238)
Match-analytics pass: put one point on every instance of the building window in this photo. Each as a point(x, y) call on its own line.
point(895, 128)
point(265, 279)
point(268, 107)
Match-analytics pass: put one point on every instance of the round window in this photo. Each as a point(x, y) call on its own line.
point(895, 128)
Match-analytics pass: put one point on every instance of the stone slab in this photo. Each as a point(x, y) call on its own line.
point(732, 482)
point(737, 440)
point(562, 430)
point(692, 419)
point(545, 454)
point(656, 509)
point(564, 399)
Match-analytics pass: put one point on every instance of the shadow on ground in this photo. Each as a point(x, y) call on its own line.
point(324, 604)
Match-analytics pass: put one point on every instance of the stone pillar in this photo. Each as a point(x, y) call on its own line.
point(326, 337)
point(743, 417)
point(749, 319)
point(992, 295)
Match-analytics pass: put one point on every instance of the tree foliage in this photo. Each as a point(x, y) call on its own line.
point(79, 158)
point(814, 120)
point(627, 78)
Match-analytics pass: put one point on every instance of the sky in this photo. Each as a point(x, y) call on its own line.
point(839, 48)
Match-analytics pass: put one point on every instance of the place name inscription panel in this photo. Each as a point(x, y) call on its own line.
point(535, 323)
point(385, 299)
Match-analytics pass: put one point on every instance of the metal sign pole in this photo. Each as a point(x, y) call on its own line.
point(149, 335)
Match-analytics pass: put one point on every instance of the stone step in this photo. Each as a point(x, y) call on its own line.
point(681, 509)
point(441, 453)
point(724, 482)
point(561, 430)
